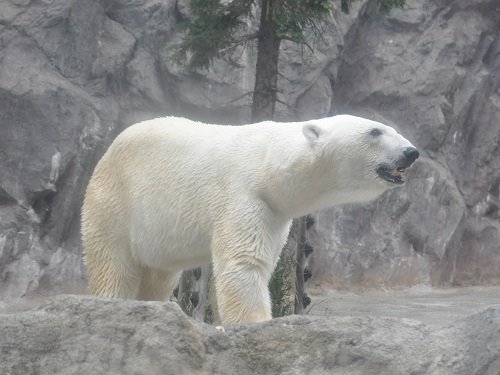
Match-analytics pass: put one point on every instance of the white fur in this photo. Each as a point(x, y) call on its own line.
point(171, 194)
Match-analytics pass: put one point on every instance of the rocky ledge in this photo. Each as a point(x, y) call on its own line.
point(86, 335)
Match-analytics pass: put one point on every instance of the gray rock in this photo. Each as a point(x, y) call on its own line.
point(51, 127)
point(84, 335)
point(431, 71)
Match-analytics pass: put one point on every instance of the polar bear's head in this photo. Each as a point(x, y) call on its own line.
point(365, 157)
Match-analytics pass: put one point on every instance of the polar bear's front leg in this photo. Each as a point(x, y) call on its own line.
point(242, 268)
point(242, 292)
point(246, 246)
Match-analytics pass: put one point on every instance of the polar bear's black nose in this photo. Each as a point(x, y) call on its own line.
point(411, 154)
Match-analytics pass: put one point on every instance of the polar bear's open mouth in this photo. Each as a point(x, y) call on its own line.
point(392, 175)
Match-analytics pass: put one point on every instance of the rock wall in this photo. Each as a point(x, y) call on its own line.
point(432, 70)
point(73, 73)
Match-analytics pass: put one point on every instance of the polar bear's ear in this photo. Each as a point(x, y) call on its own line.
point(312, 132)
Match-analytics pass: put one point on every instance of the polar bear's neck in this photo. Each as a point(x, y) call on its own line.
point(291, 179)
point(294, 198)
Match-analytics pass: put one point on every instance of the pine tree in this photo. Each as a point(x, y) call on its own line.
point(217, 27)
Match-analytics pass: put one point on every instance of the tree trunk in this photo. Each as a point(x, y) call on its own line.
point(199, 311)
point(266, 72)
point(299, 268)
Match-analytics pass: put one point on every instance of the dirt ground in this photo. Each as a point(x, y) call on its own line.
point(434, 307)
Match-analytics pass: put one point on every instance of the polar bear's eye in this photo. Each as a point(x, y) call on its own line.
point(375, 132)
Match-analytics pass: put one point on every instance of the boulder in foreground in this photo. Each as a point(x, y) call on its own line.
point(86, 335)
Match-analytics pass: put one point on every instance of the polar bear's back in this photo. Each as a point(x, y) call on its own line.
point(182, 151)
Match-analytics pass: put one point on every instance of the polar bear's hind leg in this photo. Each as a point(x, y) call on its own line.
point(111, 278)
point(157, 285)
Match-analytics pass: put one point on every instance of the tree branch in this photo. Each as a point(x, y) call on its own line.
point(286, 105)
point(296, 41)
point(240, 97)
point(243, 40)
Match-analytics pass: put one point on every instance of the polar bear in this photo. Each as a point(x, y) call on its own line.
point(171, 194)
